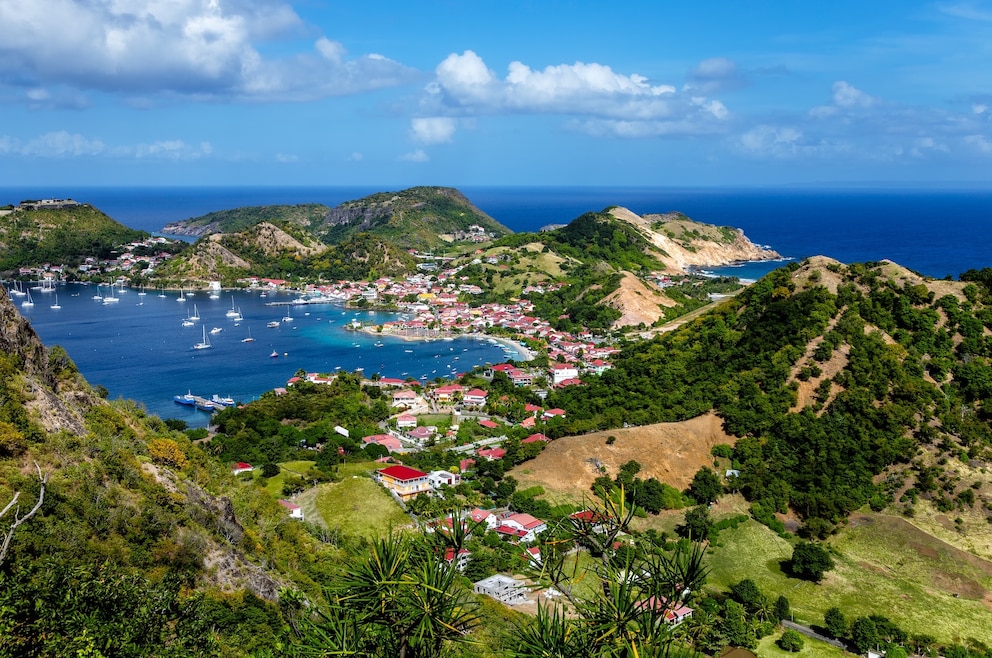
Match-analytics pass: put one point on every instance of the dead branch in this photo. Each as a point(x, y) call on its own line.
point(18, 519)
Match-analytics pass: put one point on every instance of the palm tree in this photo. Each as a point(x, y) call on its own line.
point(399, 598)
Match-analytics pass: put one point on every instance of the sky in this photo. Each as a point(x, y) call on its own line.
point(479, 92)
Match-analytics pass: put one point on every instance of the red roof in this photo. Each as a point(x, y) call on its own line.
point(534, 438)
point(402, 473)
point(488, 424)
point(242, 465)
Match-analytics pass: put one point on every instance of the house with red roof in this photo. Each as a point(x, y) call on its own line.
point(674, 613)
point(406, 420)
point(475, 397)
point(554, 413)
point(479, 515)
point(295, 511)
point(528, 422)
point(420, 433)
point(466, 464)
point(403, 482)
point(447, 392)
point(404, 398)
point(534, 438)
point(491, 453)
point(573, 381)
point(488, 424)
point(459, 558)
point(529, 525)
point(563, 371)
point(242, 467)
point(388, 441)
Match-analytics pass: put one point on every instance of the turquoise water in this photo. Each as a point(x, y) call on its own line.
point(138, 349)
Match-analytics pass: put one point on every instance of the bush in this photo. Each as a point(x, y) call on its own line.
point(790, 641)
point(810, 561)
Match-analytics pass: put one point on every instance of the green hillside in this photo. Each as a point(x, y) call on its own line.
point(417, 218)
point(30, 237)
point(847, 385)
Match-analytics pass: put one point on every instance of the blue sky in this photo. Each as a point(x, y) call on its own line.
point(516, 92)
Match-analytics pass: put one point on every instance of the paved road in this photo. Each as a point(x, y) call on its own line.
point(809, 632)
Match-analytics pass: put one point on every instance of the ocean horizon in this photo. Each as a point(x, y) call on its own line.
point(936, 232)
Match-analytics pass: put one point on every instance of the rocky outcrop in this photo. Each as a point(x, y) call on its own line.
point(48, 396)
point(686, 244)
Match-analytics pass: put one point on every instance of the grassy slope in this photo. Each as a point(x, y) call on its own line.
point(356, 505)
point(884, 566)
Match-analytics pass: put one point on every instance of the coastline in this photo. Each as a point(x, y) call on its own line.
point(522, 353)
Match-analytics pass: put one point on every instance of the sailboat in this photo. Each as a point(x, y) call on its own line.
point(28, 302)
point(98, 297)
point(233, 312)
point(196, 314)
point(109, 298)
point(181, 297)
point(188, 321)
point(56, 305)
point(237, 317)
point(248, 339)
point(203, 344)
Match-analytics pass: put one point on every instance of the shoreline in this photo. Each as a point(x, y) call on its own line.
point(522, 353)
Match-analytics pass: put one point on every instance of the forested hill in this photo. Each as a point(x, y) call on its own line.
point(831, 375)
point(61, 236)
point(418, 218)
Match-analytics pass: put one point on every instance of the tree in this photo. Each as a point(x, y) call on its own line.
point(399, 598)
point(782, 610)
point(697, 523)
point(705, 487)
point(746, 593)
point(735, 626)
point(619, 604)
point(19, 520)
point(810, 561)
point(790, 641)
point(835, 623)
point(864, 634)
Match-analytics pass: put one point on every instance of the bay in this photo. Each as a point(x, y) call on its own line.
point(143, 352)
point(138, 348)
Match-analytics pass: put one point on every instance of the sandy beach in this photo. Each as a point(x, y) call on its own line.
point(416, 335)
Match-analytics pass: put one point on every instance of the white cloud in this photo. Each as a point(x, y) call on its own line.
point(415, 156)
point(966, 10)
point(60, 144)
point(777, 141)
point(713, 75)
point(63, 144)
point(356, 156)
point(845, 97)
point(979, 143)
point(203, 49)
point(598, 99)
point(432, 130)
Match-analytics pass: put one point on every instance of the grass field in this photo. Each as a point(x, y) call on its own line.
point(274, 484)
point(811, 648)
point(356, 505)
point(883, 566)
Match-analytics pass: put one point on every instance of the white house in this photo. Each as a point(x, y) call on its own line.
point(295, 511)
point(502, 588)
point(526, 526)
point(441, 478)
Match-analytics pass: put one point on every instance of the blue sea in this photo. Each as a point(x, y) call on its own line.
point(138, 348)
